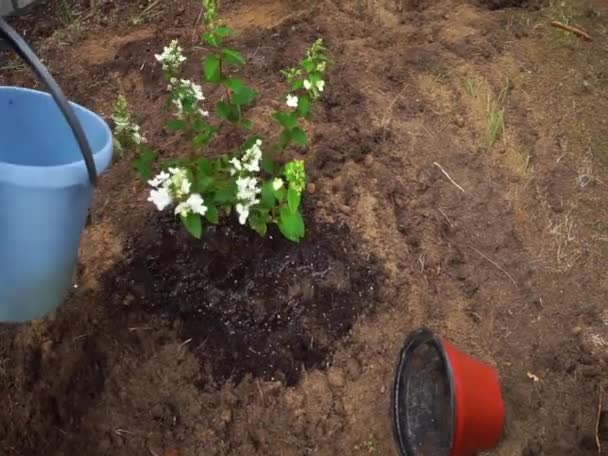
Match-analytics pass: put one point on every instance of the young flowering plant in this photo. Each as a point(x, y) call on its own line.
point(252, 182)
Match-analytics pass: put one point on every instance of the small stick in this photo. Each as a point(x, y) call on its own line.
point(597, 421)
point(448, 176)
point(497, 265)
point(569, 28)
point(446, 217)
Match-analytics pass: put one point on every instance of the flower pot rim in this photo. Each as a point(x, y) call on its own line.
point(412, 342)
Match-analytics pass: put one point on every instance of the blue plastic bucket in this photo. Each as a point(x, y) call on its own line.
point(50, 153)
point(45, 193)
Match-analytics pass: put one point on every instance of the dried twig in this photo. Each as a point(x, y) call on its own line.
point(569, 28)
point(446, 217)
point(448, 176)
point(500, 268)
point(597, 421)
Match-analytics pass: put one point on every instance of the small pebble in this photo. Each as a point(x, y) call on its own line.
point(577, 330)
point(311, 188)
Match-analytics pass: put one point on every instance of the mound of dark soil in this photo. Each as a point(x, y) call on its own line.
point(250, 305)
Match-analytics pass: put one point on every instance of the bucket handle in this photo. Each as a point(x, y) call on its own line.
point(25, 52)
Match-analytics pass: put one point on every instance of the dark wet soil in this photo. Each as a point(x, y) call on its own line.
point(249, 305)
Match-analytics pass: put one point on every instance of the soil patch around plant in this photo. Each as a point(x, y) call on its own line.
point(245, 304)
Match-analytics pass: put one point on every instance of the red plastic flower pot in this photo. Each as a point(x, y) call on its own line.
point(445, 403)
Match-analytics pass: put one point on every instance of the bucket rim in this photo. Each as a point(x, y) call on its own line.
point(412, 342)
point(63, 175)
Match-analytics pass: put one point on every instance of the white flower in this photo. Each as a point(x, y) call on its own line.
point(121, 123)
point(251, 158)
point(247, 189)
point(243, 212)
point(161, 198)
point(320, 85)
point(171, 57)
point(194, 204)
point(180, 184)
point(184, 187)
point(189, 92)
point(307, 84)
point(321, 67)
point(236, 166)
point(277, 183)
point(292, 101)
point(159, 179)
point(192, 89)
point(253, 166)
point(138, 138)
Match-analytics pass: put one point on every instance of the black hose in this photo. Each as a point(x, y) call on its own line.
point(26, 53)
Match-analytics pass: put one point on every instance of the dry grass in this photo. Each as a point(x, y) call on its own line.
point(488, 107)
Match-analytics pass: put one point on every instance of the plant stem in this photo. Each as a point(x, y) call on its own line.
point(226, 91)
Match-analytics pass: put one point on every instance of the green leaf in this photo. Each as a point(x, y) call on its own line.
point(267, 165)
point(143, 163)
point(226, 111)
point(203, 138)
point(201, 125)
point(211, 39)
point(308, 65)
point(280, 194)
point(212, 215)
point(233, 84)
point(204, 183)
point(233, 57)
point(225, 194)
point(291, 224)
point(287, 120)
point(267, 198)
point(193, 224)
point(222, 31)
point(293, 200)
point(246, 124)
point(284, 139)
point(243, 96)
point(299, 137)
point(211, 67)
point(176, 124)
point(258, 223)
point(303, 105)
point(204, 166)
point(297, 85)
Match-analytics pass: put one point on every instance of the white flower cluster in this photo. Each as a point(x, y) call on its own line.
point(124, 126)
point(247, 193)
point(175, 186)
point(247, 184)
point(186, 93)
point(292, 101)
point(277, 183)
point(319, 85)
point(172, 57)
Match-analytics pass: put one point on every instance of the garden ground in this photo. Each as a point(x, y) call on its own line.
point(459, 176)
